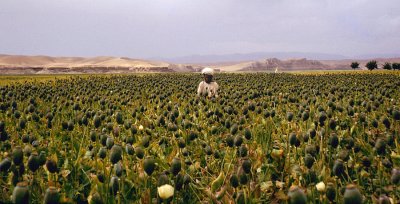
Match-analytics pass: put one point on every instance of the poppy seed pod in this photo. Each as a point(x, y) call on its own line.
point(5, 164)
point(21, 193)
point(238, 140)
point(380, 146)
point(176, 166)
point(33, 162)
point(139, 152)
point(247, 134)
point(309, 161)
point(395, 178)
point(330, 192)
point(115, 154)
point(51, 166)
point(289, 116)
point(230, 140)
point(162, 179)
point(333, 140)
point(102, 152)
point(114, 185)
point(234, 181)
point(129, 149)
point(383, 199)
point(338, 167)
point(52, 196)
point(352, 195)
point(96, 199)
point(297, 196)
point(292, 139)
point(246, 165)
point(18, 155)
point(149, 165)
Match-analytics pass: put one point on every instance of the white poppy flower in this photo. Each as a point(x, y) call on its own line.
point(320, 186)
point(165, 191)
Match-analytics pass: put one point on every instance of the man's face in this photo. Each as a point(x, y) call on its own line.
point(208, 78)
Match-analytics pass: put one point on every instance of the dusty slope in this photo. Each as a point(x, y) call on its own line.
point(45, 61)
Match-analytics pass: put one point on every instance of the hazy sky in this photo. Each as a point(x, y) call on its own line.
point(170, 28)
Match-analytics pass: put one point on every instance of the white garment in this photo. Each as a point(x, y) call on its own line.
point(210, 89)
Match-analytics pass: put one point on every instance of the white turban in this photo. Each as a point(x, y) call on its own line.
point(208, 71)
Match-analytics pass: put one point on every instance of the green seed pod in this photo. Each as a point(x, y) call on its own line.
point(96, 199)
point(162, 179)
point(238, 140)
point(234, 180)
point(322, 117)
point(102, 152)
point(309, 161)
point(20, 193)
point(129, 149)
point(176, 166)
point(118, 169)
point(100, 177)
point(289, 116)
point(5, 164)
point(96, 121)
point(208, 150)
point(333, 140)
point(109, 142)
point(312, 132)
point(396, 115)
point(181, 143)
point(33, 162)
point(352, 195)
point(114, 185)
point(149, 165)
point(311, 149)
point(145, 141)
point(93, 136)
point(330, 192)
point(338, 167)
point(243, 179)
point(332, 124)
point(115, 154)
point(139, 152)
point(247, 134)
point(395, 178)
point(383, 199)
point(297, 196)
point(179, 182)
point(51, 166)
point(230, 140)
point(18, 155)
point(380, 146)
point(292, 139)
point(42, 158)
point(366, 161)
point(386, 122)
point(52, 196)
point(246, 165)
point(234, 129)
point(242, 151)
point(305, 115)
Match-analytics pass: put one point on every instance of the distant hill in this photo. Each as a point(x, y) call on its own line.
point(286, 65)
point(271, 64)
point(19, 64)
point(240, 57)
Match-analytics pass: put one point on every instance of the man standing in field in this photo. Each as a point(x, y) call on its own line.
point(208, 87)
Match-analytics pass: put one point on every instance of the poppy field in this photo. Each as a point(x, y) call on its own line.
point(268, 138)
